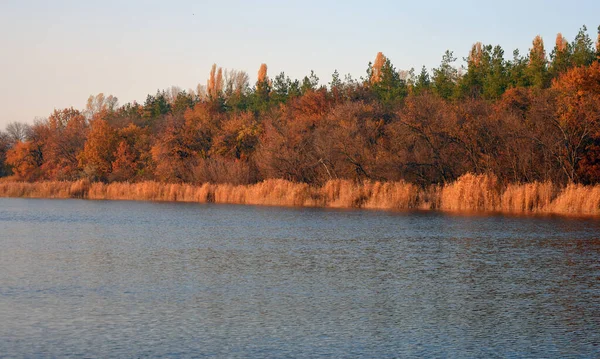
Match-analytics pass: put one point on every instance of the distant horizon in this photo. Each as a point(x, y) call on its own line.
point(62, 53)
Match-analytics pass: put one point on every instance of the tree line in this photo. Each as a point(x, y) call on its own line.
point(534, 117)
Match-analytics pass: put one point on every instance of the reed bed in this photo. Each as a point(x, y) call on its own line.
point(529, 197)
point(577, 199)
point(470, 192)
point(49, 189)
point(152, 191)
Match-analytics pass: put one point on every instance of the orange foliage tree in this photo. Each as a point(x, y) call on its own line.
point(377, 66)
point(66, 134)
point(579, 122)
point(99, 151)
point(25, 159)
point(132, 159)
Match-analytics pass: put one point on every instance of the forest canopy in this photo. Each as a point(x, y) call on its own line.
point(531, 117)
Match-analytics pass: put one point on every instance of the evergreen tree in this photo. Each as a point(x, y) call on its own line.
point(156, 106)
point(336, 86)
point(496, 79)
point(182, 102)
point(471, 84)
point(390, 87)
point(560, 57)
point(294, 88)
point(262, 92)
point(445, 76)
point(309, 83)
point(281, 87)
point(423, 82)
point(336, 82)
point(583, 51)
point(516, 69)
point(537, 69)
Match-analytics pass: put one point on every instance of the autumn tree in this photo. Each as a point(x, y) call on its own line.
point(174, 157)
point(17, 131)
point(376, 69)
point(424, 126)
point(26, 160)
point(351, 143)
point(263, 84)
point(578, 120)
point(64, 139)
point(236, 82)
point(474, 136)
point(237, 137)
point(100, 104)
point(201, 125)
point(521, 142)
point(133, 158)
point(237, 88)
point(214, 87)
point(171, 94)
point(286, 150)
point(99, 151)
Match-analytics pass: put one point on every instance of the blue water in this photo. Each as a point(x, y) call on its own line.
point(142, 279)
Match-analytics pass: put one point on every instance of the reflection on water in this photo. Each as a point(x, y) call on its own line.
point(123, 279)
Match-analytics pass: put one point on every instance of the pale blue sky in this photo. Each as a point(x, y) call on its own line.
point(57, 53)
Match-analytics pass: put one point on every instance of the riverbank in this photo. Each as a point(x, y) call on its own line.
point(477, 193)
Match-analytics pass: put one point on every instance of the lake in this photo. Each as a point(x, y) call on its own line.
point(143, 279)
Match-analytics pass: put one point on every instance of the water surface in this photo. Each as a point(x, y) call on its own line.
point(141, 279)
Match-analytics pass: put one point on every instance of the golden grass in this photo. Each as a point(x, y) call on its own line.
point(577, 199)
point(152, 191)
point(533, 197)
point(375, 195)
point(51, 189)
point(469, 193)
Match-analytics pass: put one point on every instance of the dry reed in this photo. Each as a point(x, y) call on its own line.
point(471, 193)
point(577, 199)
point(533, 197)
point(468, 193)
point(54, 189)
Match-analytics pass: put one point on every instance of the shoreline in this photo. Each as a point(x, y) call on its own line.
point(468, 194)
